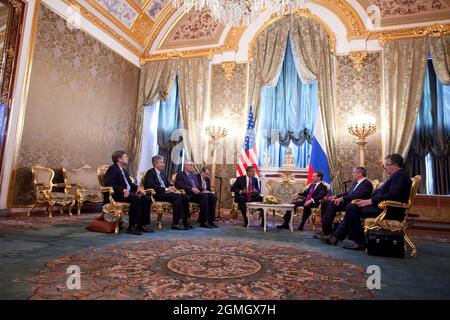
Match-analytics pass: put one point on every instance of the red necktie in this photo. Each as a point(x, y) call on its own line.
point(309, 197)
point(249, 190)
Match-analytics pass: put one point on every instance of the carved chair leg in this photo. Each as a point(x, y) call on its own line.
point(70, 206)
point(34, 207)
point(159, 212)
point(50, 209)
point(79, 205)
point(411, 245)
point(118, 219)
point(61, 209)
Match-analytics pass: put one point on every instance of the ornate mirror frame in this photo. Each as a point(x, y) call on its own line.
point(8, 64)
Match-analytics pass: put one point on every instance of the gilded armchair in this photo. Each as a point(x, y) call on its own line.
point(44, 193)
point(381, 222)
point(315, 212)
point(118, 209)
point(84, 183)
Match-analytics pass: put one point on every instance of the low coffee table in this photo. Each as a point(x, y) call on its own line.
point(283, 207)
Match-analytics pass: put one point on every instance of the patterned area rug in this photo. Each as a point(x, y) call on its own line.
point(24, 222)
point(204, 268)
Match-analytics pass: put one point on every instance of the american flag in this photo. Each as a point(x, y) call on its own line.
point(248, 156)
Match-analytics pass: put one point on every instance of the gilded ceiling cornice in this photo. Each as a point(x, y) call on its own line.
point(345, 11)
point(102, 25)
point(405, 33)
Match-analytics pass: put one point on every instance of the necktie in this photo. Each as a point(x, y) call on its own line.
point(191, 179)
point(249, 189)
point(125, 178)
point(161, 181)
point(309, 197)
point(352, 190)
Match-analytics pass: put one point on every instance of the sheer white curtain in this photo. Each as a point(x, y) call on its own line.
point(149, 138)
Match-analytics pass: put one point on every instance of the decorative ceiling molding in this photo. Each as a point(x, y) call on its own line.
point(405, 33)
point(400, 12)
point(145, 21)
point(192, 30)
point(103, 26)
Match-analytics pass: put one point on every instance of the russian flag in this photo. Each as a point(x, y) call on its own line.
point(319, 159)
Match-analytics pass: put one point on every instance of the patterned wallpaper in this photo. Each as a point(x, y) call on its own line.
point(360, 93)
point(81, 103)
point(228, 105)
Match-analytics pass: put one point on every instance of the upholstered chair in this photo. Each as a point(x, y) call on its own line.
point(46, 195)
point(84, 183)
point(159, 206)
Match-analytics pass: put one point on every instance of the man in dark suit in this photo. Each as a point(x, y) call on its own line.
point(204, 181)
point(126, 191)
point(396, 188)
point(188, 181)
point(312, 197)
point(361, 189)
point(156, 179)
point(246, 189)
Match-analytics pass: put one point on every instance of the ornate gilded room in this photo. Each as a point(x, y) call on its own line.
point(225, 150)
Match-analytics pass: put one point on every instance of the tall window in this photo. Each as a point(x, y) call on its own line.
point(287, 116)
point(429, 154)
point(161, 119)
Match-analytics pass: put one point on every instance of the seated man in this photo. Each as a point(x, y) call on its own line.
point(396, 188)
point(188, 181)
point(246, 189)
point(165, 191)
point(205, 183)
point(314, 194)
point(126, 191)
point(361, 189)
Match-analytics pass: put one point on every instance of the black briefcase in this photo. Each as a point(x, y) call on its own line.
point(385, 243)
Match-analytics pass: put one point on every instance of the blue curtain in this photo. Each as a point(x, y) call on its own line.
point(429, 154)
point(287, 116)
point(168, 122)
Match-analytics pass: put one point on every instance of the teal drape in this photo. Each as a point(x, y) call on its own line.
point(432, 135)
point(168, 123)
point(287, 115)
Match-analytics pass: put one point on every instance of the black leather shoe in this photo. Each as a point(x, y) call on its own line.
point(188, 226)
point(205, 225)
point(317, 235)
point(300, 228)
point(245, 224)
point(325, 239)
point(333, 240)
point(133, 230)
point(355, 246)
point(145, 229)
point(283, 226)
point(178, 227)
point(212, 224)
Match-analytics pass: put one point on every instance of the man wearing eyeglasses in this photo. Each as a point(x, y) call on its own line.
point(396, 188)
point(188, 181)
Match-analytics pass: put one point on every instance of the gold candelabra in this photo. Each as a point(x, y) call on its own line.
point(215, 132)
point(362, 126)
